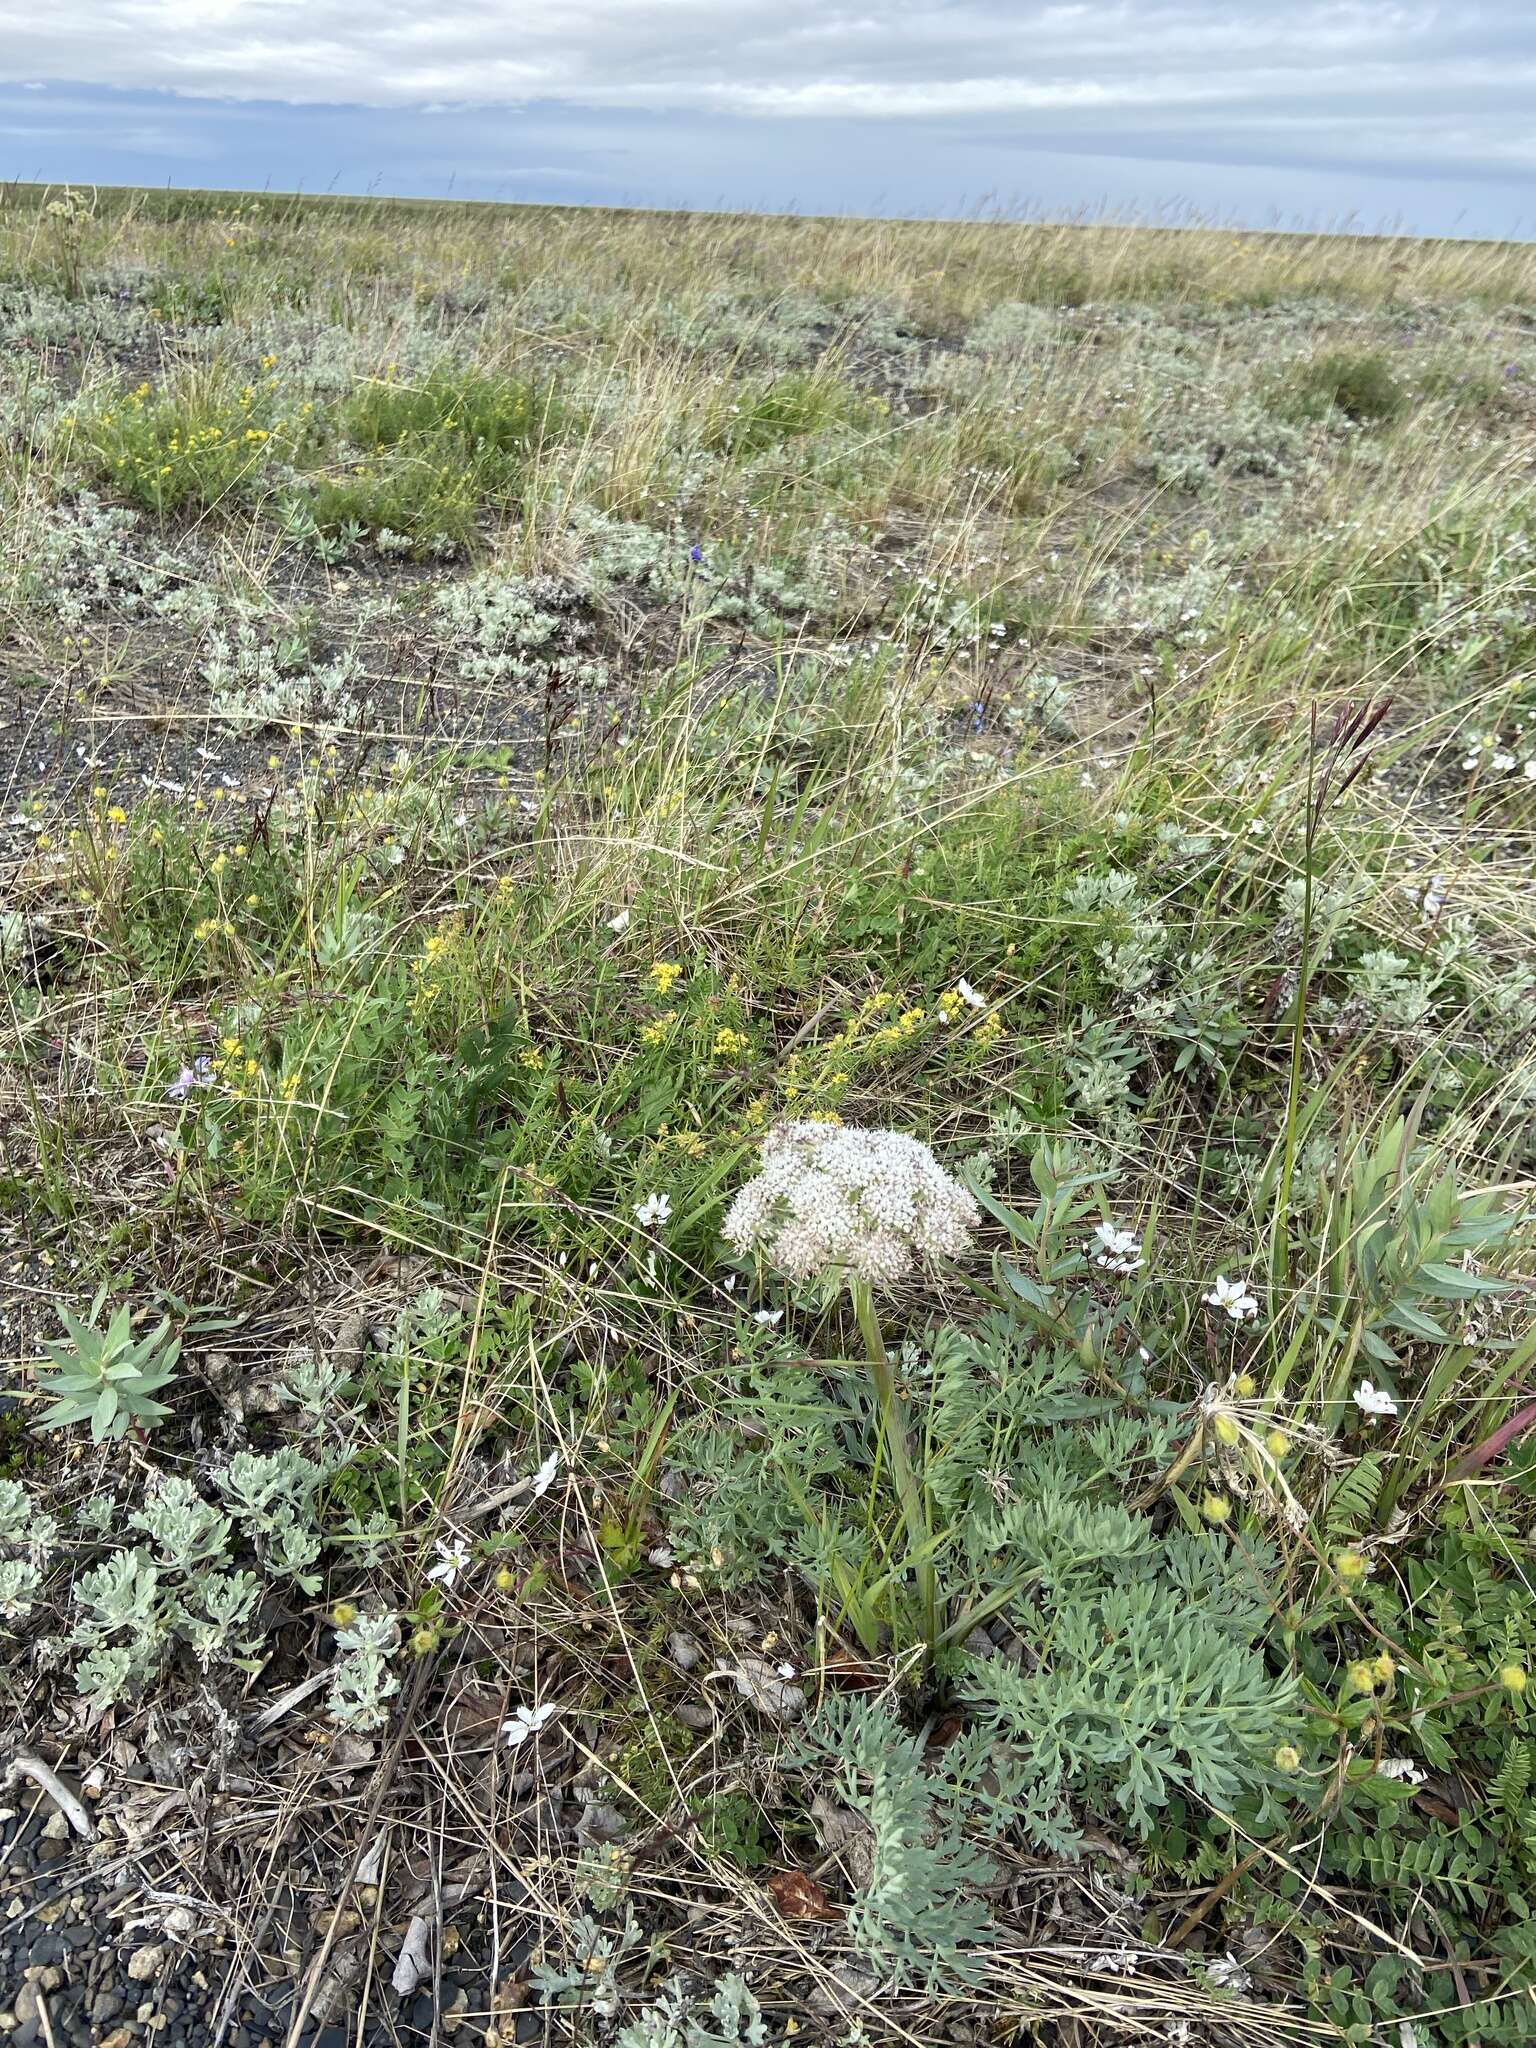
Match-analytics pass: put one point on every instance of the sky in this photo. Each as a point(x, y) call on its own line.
point(1383, 114)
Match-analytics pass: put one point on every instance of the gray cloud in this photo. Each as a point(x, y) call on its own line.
point(1371, 82)
point(900, 102)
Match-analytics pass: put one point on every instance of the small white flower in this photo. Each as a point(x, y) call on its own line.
point(619, 922)
point(1256, 826)
point(1118, 1251)
point(452, 1558)
point(1227, 1974)
point(969, 995)
point(1374, 1401)
point(526, 1721)
point(1234, 1297)
point(1503, 761)
point(1402, 1768)
point(544, 1478)
point(767, 1316)
point(654, 1209)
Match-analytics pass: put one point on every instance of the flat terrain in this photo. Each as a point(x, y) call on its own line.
point(506, 709)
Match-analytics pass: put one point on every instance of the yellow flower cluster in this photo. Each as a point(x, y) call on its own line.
point(427, 968)
point(664, 976)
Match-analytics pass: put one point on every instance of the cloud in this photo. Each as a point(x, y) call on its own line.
point(1395, 109)
point(1371, 81)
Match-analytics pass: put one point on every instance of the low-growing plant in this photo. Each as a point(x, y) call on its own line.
point(105, 1375)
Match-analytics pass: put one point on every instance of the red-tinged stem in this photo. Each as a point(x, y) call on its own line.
point(1490, 1447)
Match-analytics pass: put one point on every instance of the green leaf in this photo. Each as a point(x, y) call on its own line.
point(1403, 1316)
point(1451, 1283)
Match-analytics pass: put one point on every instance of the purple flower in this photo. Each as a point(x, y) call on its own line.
point(695, 553)
point(198, 1075)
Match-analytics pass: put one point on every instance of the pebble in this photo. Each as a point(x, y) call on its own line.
point(145, 1964)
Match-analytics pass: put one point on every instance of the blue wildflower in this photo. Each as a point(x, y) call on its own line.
point(198, 1075)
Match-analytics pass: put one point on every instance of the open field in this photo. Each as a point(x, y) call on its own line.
point(506, 709)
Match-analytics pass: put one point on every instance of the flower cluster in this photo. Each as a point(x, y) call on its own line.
point(833, 1197)
point(1116, 1250)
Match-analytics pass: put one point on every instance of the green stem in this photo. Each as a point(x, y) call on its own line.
point(893, 1430)
point(1280, 1248)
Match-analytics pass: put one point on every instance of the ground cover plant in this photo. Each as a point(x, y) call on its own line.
point(765, 1129)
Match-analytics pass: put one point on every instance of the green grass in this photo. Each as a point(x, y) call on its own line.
point(1062, 694)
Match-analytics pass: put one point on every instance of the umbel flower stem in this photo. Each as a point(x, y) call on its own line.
point(893, 1430)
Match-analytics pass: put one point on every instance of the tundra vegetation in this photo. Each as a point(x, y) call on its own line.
point(766, 1091)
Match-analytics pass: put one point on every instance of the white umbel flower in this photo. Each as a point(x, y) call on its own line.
point(867, 1203)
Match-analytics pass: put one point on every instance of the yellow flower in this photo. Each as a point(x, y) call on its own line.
point(1216, 1507)
point(1277, 1443)
point(1384, 1667)
point(532, 1058)
point(1287, 1757)
point(1513, 1678)
point(1362, 1676)
point(655, 1032)
point(1350, 1565)
point(343, 1614)
point(665, 975)
point(1227, 1431)
point(1245, 1386)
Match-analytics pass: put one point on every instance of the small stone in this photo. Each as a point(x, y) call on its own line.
point(56, 1827)
point(145, 1964)
point(120, 2037)
point(106, 2005)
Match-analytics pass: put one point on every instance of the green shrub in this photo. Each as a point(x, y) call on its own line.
point(1360, 383)
point(199, 440)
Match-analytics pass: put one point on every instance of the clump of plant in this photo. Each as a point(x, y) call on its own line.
point(858, 1208)
point(107, 1376)
point(196, 441)
point(1359, 383)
